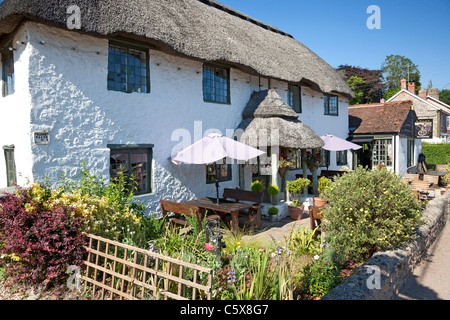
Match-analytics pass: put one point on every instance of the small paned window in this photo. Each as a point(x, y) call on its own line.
point(341, 158)
point(7, 73)
point(128, 69)
point(216, 84)
point(223, 172)
point(325, 158)
point(295, 98)
point(410, 154)
point(330, 104)
point(11, 176)
point(134, 163)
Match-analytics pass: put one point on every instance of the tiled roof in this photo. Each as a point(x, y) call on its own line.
point(387, 117)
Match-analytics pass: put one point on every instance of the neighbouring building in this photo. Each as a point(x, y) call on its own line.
point(386, 133)
point(431, 113)
point(132, 84)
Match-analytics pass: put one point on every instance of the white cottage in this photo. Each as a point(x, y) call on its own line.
point(117, 85)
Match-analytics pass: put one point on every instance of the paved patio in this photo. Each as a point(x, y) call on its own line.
point(271, 231)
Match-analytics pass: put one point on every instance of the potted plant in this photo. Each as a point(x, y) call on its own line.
point(295, 188)
point(323, 183)
point(273, 191)
point(272, 212)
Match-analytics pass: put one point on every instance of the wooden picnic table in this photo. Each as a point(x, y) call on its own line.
point(222, 208)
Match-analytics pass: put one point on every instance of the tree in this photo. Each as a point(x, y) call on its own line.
point(444, 96)
point(356, 84)
point(361, 80)
point(396, 67)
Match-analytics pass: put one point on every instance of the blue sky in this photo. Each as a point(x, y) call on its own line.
point(338, 33)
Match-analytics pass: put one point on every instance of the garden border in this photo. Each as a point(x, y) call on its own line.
point(395, 265)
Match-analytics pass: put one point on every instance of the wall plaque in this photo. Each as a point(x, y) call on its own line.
point(41, 137)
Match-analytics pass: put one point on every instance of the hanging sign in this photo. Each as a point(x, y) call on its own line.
point(423, 129)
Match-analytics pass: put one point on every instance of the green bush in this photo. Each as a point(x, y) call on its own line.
point(273, 190)
point(436, 153)
point(257, 186)
point(319, 277)
point(369, 211)
point(272, 211)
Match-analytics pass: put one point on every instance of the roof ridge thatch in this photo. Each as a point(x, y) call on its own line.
point(268, 121)
point(266, 104)
point(198, 29)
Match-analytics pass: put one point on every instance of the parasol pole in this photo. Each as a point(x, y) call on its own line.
point(217, 182)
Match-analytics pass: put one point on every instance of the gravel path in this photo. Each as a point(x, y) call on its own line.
point(431, 278)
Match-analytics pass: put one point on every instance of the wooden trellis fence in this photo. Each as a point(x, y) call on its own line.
point(118, 271)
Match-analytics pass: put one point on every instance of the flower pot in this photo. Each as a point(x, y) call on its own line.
point(274, 200)
point(273, 217)
point(318, 202)
point(296, 213)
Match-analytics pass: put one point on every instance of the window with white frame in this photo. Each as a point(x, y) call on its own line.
point(383, 153)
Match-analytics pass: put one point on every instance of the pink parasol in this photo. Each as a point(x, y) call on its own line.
point(215, 147)
point(333, 143)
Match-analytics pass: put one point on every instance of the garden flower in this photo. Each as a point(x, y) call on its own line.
point(231, 276)
point(316, 257)
point(209, 246)
point(261, 250)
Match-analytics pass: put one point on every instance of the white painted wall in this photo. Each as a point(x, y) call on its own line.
point(64, 91)
point(15, 115)
point(313, 115)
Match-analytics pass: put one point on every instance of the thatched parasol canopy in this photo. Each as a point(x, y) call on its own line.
point(269, 121)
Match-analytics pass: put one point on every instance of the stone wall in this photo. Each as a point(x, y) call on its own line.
point(395, 265)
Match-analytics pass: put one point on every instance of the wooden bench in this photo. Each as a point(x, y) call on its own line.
point(254, 213)
point(432, 179)
point(181, 209)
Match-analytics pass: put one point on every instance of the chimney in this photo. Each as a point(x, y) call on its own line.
point(412, 87)
point(403, 83)
point(382, 101)
point(434, 94)
point(423, 93)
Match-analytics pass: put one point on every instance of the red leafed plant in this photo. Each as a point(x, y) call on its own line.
point(44, 242)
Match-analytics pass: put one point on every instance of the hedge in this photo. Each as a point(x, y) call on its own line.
point(436, 153)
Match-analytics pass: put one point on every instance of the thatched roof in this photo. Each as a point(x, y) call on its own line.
point(266, 104)
point(200, 29)
point(265, 127)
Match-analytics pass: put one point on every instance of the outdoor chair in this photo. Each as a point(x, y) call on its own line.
point(315, 217)
point(253, 214)
point(180, 210)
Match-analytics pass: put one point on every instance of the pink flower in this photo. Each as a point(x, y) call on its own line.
point(209, 246)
